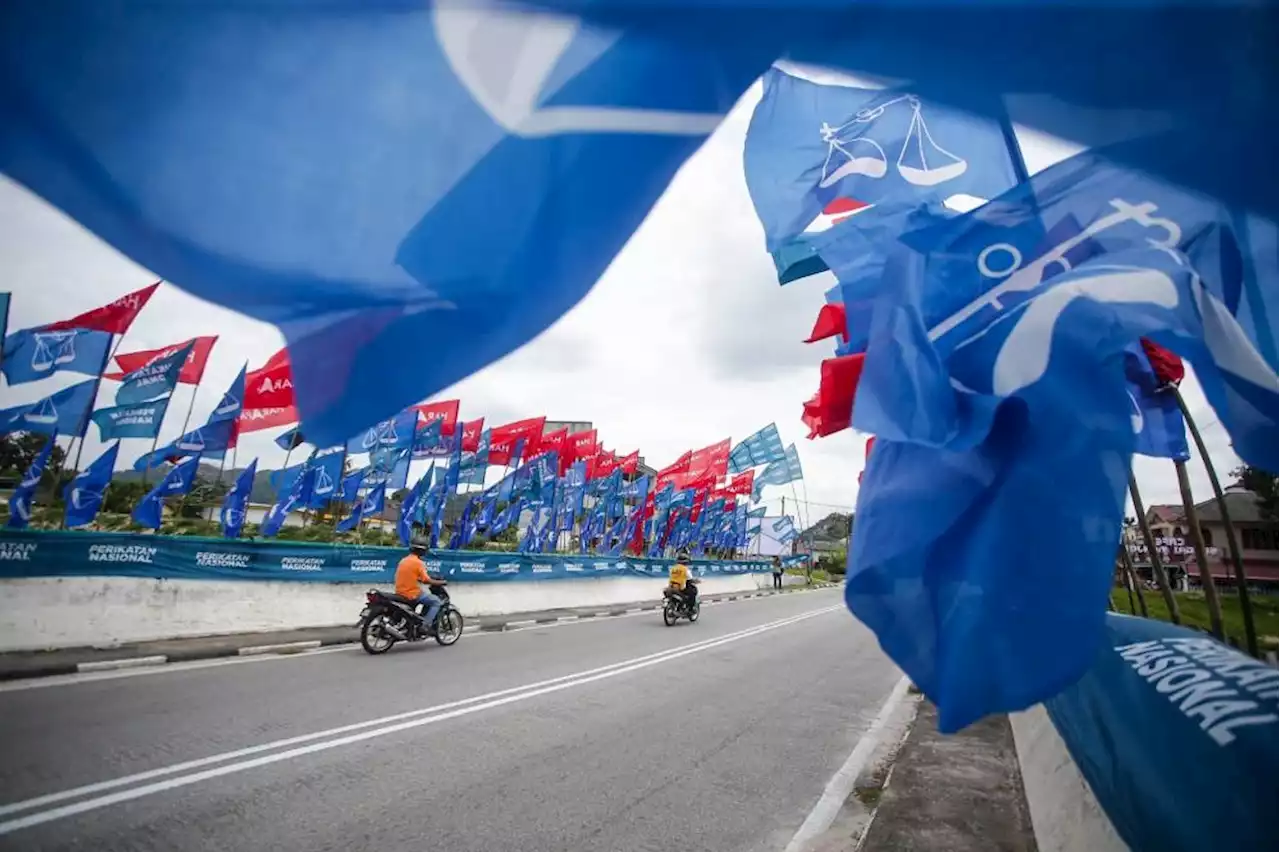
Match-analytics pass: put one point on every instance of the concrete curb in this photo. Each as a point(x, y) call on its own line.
point(235, 650)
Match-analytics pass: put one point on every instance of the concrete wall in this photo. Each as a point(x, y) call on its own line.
point(101, 611)
point(1064, 812)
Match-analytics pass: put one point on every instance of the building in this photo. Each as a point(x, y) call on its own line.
point(1256, 536)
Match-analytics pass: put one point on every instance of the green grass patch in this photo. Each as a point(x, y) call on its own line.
point(1195, 612)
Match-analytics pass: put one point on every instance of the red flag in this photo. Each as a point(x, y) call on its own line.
point(502, 439)
point(257, 419)
point(831, 409)
point(192, 370)
point(470, 434)
point(553, 441)
point(271, 385)
point(446, 411)
point(583, 445)
point(601, 464)
point(713, 459)
point(115, 317)
point(629, 463)
point(1166, 365)
point(830, 322)
point(680, 465)
point(743, 482)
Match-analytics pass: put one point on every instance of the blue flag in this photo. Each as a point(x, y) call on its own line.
point(374, 503)
point(282, 480)
point(762, 447)
point(780, 472)
point(427, 440)
point(130, 421)
point(409, 507)
point(237, 500)
point(299, 495)
point(20, 501)
point(290, 439)
point(326, 475)
point(232, 402)
point(33, 354)
point(431, 264)
point(176, 482)
point(154, 379)
point(209, 440)
point(351, 484)
point(63, 413)
point(84, 494)
point(816, 155)
point(1159, 429)
point(394, 434)
point(1000, 405)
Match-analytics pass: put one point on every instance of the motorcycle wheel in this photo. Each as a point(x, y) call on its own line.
point(693, 613)
point(448, 626)
point(669, 615)
point(373, 638)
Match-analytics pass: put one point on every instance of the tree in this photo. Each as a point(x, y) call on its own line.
point(1263, 485)
point(19, 450)
point(123, 495)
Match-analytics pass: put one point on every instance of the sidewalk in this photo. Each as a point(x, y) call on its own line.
point(962, 792)
point(29, 664)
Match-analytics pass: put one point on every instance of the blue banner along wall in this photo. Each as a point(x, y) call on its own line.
point(81, 554)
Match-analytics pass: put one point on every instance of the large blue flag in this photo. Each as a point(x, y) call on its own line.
point(63, 413)
point(299, 495)
point(237, 500)
point(1000, 405)
point(351, 484)
point(817, 155)
point(37, 353)
point(156, 378)
point(23, 496)
point(361, 222)
point(84, 494)
point(130, 421)
point(762, 447)
point(178, 481)
point(395, 433)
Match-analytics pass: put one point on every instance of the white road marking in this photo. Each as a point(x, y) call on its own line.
point(286, 647)
point(841, 784)
point(127, 663)
point(348, 734)
point(86, 676)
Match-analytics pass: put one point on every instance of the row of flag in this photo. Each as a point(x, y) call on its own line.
point(1010, 360)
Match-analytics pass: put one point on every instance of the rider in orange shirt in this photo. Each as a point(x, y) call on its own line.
point(410, 572)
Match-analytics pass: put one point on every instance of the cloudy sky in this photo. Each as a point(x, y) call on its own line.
point(695, 273)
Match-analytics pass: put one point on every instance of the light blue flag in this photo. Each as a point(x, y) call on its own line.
point(33, 354)
point(63, 413)
point(326, 477)
point(395, 433)
point(22, 498)
point(815, 154)
point(178, 481)
point(237, 500)
point(368, 269)
point(130, 421)
point(1000, 406)
point(1159, 429)
point(784, 470)
point(84, 494)
point(232, 402)
point(762, 447)
point(156, 378)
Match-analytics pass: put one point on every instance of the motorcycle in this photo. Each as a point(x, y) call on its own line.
point(389, 618)
point(676, 606)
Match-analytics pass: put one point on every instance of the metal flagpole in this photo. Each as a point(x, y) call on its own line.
point(1202, 562)
point(1157, 567)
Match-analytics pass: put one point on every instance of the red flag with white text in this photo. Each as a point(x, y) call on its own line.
point(192, 370)
point(115, 317)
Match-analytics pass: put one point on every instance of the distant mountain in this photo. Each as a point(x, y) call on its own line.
point(262, 490)
point(833, 528)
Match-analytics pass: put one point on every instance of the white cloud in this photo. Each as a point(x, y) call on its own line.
point(687, 339)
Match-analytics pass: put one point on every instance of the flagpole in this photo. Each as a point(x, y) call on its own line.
point(1197, 542)
point(1157, 567)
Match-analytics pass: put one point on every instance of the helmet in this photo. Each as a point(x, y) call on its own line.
point(682, 555)
point(418, 544)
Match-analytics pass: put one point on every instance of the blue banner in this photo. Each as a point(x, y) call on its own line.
point(83, 554)
point(153, 379)
point(33, 353)
point(130, 421)
point(1176, 735)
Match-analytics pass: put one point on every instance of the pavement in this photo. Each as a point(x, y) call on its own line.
point(28, 664)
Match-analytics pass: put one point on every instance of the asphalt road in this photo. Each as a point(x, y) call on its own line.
point(618, 734)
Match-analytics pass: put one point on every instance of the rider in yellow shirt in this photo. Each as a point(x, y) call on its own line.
point(680, 575)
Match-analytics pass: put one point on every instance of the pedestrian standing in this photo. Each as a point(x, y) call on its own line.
point(777, 573)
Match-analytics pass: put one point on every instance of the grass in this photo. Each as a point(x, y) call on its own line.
point(1195, 613)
